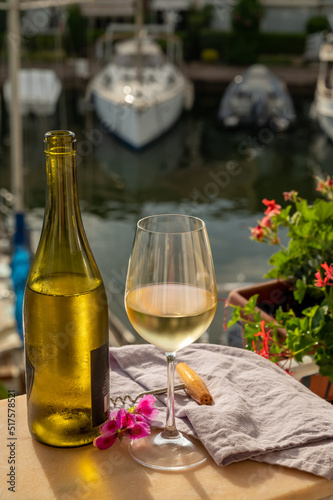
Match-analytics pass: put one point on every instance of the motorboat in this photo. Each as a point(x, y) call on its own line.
point(141, 92)
point(322, 107)
point(39, 91)
point(257, 98)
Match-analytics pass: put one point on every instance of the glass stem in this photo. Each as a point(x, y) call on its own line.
point(170, 430)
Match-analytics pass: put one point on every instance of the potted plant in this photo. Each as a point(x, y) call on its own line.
point(291, 317)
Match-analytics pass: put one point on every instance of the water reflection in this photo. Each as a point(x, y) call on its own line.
point(196, 168)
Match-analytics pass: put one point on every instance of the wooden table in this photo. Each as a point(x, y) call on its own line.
point(41, 473)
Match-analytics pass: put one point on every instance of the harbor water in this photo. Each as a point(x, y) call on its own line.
point(196, 168)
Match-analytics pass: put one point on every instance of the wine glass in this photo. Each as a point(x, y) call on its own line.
point(170, 299)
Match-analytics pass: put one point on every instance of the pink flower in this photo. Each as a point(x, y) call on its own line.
point(140, 428)
point(272, 207)
point(257, 232)
point(322, 185)
point(325, 186)
point(146, 408)
point(105, 441)
point(134, 423)
point(266, 221)
point(289, 195)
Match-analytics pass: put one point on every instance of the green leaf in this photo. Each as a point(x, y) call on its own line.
point(305, 210)
point(300, 291)
point(323, 210)
point(250, 306)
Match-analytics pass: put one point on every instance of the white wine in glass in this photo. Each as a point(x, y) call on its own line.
point(170, 299)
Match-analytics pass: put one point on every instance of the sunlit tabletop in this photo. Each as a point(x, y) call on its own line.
point(38, 472)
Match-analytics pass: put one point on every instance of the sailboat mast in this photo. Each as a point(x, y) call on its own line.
point(139, 27)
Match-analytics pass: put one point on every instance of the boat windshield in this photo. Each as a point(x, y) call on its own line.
point(131, 60)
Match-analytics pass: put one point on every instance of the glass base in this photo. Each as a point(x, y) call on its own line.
point(172, 453)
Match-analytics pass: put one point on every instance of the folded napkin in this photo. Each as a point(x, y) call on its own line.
point(259, 411)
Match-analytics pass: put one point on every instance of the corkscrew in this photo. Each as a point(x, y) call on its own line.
point(192, 383)
point(128, 398)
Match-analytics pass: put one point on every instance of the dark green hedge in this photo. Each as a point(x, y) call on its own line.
point(231, 47)
point(317, 24)
point(227, 43)
point(278, 43)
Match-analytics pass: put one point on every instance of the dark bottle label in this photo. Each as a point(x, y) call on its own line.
point(30, 374)
point(99, 363)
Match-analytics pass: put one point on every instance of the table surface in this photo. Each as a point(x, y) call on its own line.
point(42, 472)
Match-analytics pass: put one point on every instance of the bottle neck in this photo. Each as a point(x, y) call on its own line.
point(63, 262)
point(61, 190)
point(62, 214)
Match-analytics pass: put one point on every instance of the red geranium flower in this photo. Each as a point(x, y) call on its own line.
point(320, 282)
point(272, 207)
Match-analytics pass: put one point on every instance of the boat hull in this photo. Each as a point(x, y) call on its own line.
point(324, 114)
point(257, 99)
point(139, 126)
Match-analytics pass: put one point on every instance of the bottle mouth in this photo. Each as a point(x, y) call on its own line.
point(59, 142)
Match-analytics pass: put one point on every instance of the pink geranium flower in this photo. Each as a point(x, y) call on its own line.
point(289, 195)
point(266, 221)
point(133, 423)
point(257, 232)
point(146, 408)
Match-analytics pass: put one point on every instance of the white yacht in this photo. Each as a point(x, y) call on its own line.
point(141, 92)
point(322, 108)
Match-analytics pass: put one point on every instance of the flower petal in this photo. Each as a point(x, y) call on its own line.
point(124, 419)
point(109, 426)
point(140, 429)
point(105, 441)
point(146, 408)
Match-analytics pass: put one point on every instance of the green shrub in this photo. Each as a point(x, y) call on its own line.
point(235, 48)
point(246, 15)
point(213, 39)
point(209, 55)
point(282, 43)
point(40, 42)
point(197, 18)
point(243, 48)
point(76, 39)
point(317, 24)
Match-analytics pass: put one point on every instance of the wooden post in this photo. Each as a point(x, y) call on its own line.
point(16, 142)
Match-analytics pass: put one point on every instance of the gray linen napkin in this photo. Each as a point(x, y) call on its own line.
point(259, 411)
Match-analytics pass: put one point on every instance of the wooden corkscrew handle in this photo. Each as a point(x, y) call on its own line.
point(194, 385)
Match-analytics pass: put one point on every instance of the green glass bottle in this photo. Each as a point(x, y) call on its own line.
point(65, 315)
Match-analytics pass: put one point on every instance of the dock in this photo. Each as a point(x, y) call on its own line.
point(300, 80)
point(74, 74)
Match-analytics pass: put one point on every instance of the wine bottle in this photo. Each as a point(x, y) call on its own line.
point(65, 315)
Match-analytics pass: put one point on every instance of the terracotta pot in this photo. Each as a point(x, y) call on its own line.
point(273, 294)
